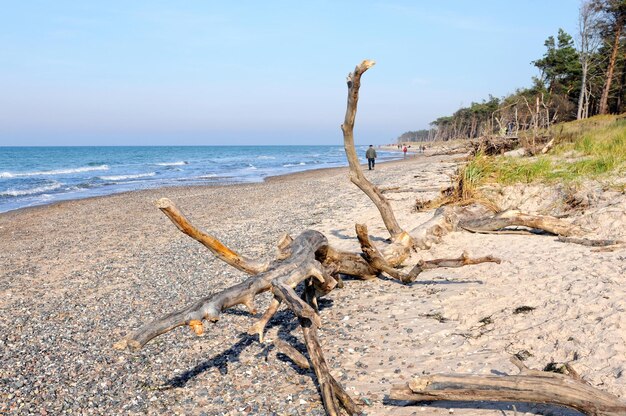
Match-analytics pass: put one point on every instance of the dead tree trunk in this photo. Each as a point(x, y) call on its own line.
point(511, 218)
point(529, 386)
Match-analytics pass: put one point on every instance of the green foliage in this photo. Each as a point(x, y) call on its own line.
point(594, 148)
point(560, 66)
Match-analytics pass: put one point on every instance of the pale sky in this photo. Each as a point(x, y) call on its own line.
point(256, 72)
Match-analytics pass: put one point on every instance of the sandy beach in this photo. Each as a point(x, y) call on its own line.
point(76, 276)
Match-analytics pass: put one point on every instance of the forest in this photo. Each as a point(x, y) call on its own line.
point(581, 75)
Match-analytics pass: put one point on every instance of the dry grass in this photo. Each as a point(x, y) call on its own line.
point(593, 148)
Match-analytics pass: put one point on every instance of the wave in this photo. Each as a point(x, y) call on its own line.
point(31, 191)
point(251, 167)
point(289, 165)
point(179, 163)
point(208, 176)
point(266, 157)
point(124, 177)
point(53, 172)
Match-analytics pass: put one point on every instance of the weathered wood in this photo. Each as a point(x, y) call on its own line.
point(378, 261)
point(297, 305)
point(375, 257)
point(282, 275)
point(589, 242)
point(344, 262)
point(332, 392)
point(463, 260)
point(548, 146)
point(512, 218)
point(356, 174)
point(529, 386)
point(494, 145)
point(307, 264)
point(293, 354)
point(220, 250)
point(429, 233)
point(258, 328)
point(298, 260)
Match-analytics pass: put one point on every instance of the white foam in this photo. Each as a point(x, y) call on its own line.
point(179, 163)
point(124, 177)
point(266, 157)
point(31, 191)
point(53, 172)
point(289, 165)
point(251, 167)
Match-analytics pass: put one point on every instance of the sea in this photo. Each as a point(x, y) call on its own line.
point(31, 176)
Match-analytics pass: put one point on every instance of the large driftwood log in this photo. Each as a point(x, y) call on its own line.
point(512, 218)
point(301, 264)
point(589, 242)
point(529, 386)
point(281, 276)
point(308, 267)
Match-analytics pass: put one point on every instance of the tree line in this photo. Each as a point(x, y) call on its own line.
point(580, 76)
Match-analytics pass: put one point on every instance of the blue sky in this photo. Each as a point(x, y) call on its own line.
point(251, 72)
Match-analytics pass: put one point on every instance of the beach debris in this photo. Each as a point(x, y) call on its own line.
point(494, 145)
point(307, 267)
point(567, 389)
point(515, 218)
point(589, 242)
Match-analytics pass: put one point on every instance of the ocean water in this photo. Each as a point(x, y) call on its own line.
point(32, 176)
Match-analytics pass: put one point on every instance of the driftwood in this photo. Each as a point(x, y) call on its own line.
point(306, 261)
point(590, 243)
point(293, 354)
point(494, 145)
point(356, 174)
point(512, 218)
point(531, 386)
point(307, 267)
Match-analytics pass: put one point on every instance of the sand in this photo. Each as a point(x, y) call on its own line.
point(76, 276)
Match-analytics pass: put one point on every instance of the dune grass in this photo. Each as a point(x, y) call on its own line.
point(594, 148)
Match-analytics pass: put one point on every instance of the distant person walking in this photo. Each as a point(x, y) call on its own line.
point(404, 150)
point(370, 154)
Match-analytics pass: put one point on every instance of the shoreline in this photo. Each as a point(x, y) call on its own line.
point(156, 189)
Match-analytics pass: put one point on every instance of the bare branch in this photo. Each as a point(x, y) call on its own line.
point(293, 354)
point(220, 250)
point(258, 328)
point(511, 218)
point(287, 273)
point(590, 243)
point(356, 175)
